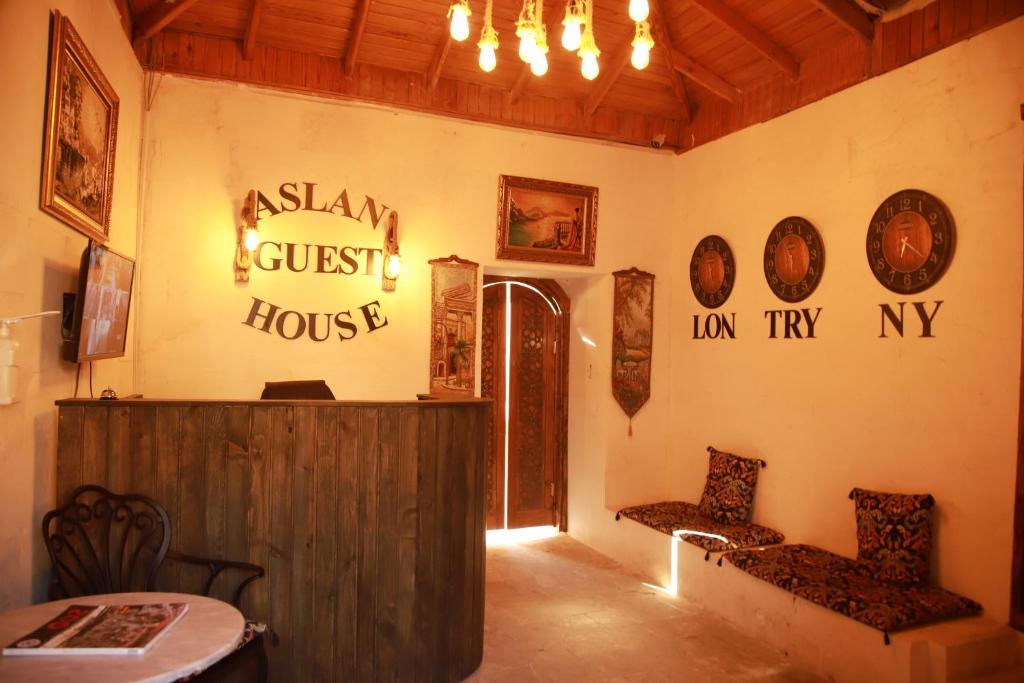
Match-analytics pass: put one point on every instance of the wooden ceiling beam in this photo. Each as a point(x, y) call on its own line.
point(249, 45)
point(851, 16)
point(156, 19)
point(550, 15)
point(126, 16)
point(434, 74)
point(753, 36)
point(607, 79)
point(706, 77)
point(355, 36)
point(663, 43)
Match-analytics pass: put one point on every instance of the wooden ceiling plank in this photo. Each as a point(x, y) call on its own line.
point(355, 38)
point(851, 16)
point(706, 77)
point(735, 21)
point(434, 74)
point(126, 16)
point(607, 80)
point(249, 45)
point(157, 18)
point(663, 42)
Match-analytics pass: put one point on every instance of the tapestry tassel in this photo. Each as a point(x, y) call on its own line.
point(885, 637)
point(631, 426)
point(707, 556)
point(720, 560)
point(617, 516)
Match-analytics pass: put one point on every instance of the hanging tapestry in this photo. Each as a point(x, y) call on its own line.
point(632, 338)
point(453, 327)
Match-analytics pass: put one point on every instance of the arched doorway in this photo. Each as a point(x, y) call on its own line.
point(524, 368)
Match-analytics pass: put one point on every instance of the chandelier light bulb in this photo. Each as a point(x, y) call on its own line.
point(571, 37)
point(528, 46)
point(488, 59)
point(252, 239)
point(641, 57)
point(459, 13)
point(539, 65)
point(590, 67)
point(639, 10)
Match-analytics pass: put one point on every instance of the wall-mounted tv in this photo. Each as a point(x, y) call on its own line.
point(100, 328)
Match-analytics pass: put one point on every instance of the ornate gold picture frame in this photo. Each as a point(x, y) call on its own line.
point(80, 136)
point(546, 221)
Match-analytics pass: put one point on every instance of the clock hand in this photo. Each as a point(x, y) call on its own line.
point(903, 245)
point(911, 247)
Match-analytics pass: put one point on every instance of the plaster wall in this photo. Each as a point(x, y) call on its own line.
point(39, 261)
point(209, 143)
point(850, 408)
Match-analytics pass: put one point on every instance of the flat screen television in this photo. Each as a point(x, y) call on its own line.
point(100, 327)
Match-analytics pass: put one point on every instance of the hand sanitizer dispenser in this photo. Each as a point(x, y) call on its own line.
point(9, 356)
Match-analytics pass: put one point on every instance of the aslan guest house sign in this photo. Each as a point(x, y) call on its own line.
point(322, 259)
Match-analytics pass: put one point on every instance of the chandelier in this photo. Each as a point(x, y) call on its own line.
point(577, 34)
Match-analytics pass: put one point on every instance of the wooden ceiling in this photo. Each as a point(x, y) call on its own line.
point(717, 66)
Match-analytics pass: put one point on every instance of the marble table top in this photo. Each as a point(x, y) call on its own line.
point(209, 630)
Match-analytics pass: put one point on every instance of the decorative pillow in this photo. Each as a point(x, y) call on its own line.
point(894, 534)
point(729, 492)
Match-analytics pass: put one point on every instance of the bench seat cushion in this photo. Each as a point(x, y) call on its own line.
point(843, 585)
point(670, 516)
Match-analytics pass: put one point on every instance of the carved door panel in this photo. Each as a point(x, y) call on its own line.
point(531, 411)
point(492, 385)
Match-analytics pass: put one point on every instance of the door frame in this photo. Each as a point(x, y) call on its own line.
point(1017, 569)
point(553, 290)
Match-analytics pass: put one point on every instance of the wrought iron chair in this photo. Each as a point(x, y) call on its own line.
point(103, 542)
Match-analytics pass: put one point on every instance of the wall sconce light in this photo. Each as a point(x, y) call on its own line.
point(392, 259)
point(248, 238)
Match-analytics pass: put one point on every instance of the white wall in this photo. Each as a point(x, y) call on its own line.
point(39, 261)
point(848, 408)
point(210, 143)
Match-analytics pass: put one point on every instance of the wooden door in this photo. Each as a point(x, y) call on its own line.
point(533, 405)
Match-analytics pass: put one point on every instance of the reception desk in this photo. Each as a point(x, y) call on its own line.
point(367, 516)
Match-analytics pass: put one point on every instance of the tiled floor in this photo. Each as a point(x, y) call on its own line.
point(558, 611)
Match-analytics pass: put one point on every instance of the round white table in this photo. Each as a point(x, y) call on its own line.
point(210, 630)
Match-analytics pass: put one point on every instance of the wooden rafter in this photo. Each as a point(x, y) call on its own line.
point(705, 77)
point(126, 16)
point(249, 45)
point(663, 43)
point(159, 17)
point(550, 15)
point(753, 36)
point(355, 36)
point(851, 16)
point(607, 79)
point(434, 74)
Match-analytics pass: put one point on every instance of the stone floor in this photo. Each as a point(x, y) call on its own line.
point(558, 611)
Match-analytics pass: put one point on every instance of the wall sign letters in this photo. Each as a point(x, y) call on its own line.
point(318, 259)
point(792, 324)
point(715, 326)
point(896, 319)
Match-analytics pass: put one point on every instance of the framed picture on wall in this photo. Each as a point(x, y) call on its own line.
point(546, 221)
point(80, 136)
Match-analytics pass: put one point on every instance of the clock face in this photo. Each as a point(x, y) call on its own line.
point(794, 258)
point(910, 241)
point(712, 271)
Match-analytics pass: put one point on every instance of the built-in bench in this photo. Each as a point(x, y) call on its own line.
point(685, 521)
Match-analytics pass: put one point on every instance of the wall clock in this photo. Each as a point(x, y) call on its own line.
point(794, 258)
point(712, 271)
point(910, 241)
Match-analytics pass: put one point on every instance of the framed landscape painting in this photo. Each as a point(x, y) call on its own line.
point(80, 136)
point(546, 221)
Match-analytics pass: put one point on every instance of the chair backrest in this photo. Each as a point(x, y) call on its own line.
point(311, 389)
point(102, 542)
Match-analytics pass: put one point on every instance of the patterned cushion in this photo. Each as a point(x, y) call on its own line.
point(843, 586)
point(729, 492)
point(671, 516)
point(252, 629)
point(894, 534)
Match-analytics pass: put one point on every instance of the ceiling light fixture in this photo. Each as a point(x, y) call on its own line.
point(639, 10)
point(575, 15)
point(459, 13)
point(488, 41)
point(588, 46)
point(539, 63)
point(526, 31)
point(642, 44)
